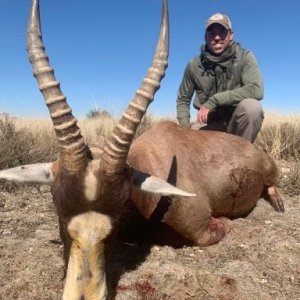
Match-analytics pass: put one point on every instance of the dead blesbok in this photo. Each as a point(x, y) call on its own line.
point(227, 173)
point(223, 174)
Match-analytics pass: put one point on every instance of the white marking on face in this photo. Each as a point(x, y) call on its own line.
point(86, 277)
point(90, 181)
point(90, 228)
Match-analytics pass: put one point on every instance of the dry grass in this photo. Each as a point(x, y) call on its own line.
point(24, 141)
point(32, 140)
point(259, 259)
point(280, 136)
point(290, 178)
point(97, 129)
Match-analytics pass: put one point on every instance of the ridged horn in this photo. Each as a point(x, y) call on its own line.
point(116, 149)
point(73, 150)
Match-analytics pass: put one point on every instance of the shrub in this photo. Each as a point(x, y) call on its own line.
point(23, 145)
point(98, 113)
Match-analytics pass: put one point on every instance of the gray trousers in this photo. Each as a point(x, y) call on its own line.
point(244, 119)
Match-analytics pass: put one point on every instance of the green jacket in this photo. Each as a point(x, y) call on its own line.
point(247, 83)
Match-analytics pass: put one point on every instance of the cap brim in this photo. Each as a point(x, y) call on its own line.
point(217, 22)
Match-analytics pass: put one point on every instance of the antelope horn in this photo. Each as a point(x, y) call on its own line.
point(73, 150)
point(116, 149)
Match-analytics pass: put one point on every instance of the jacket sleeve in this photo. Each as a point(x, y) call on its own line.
point(252, 86)
point(184, 97)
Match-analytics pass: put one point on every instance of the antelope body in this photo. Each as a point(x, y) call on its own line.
point(227, 174)
point(223, 174)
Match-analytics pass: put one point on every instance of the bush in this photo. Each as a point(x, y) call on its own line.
point(21, 146)
point(98, 113)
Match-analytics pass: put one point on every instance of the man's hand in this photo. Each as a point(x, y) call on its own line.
point(202, 115)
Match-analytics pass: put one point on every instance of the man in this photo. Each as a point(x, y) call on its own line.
point(227, 84)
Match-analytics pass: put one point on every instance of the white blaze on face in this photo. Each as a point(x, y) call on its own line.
point(90, 181)
point(86, 268)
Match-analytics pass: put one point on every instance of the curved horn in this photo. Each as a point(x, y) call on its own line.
point(71, 144)
point(116, 150)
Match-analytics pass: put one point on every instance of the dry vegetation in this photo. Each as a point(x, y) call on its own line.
point(281, 139)
point(280, 136)
point(32, 140)
point(25, 141)
point(258, 260)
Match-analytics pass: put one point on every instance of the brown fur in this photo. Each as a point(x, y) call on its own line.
point(226, 172)
point(69, 199)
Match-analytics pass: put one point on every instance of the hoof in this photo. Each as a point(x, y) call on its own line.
point(275, 199)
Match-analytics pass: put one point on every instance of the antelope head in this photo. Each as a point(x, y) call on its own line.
point(89, 194)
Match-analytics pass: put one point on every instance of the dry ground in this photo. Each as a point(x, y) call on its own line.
point(259, 259)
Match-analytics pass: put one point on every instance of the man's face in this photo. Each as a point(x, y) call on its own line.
point(218, 38)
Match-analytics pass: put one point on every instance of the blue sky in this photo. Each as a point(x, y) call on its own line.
point(101, 50)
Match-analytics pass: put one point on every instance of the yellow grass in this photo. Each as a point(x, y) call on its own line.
point(279, 135)
point(273, 118)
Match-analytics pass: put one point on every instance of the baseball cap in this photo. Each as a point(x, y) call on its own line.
point(219, 19)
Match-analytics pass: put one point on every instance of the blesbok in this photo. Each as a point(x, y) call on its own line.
point(224, 174)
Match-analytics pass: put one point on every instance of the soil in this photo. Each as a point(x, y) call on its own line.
point(259, 259)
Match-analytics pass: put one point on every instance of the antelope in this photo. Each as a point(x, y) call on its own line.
point(224, 175)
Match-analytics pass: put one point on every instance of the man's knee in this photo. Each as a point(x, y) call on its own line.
point(250, 109)
point(247, 119)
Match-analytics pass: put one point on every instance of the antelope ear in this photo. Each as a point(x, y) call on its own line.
point(155, 185)
point(34, 173)
point(146, 191)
